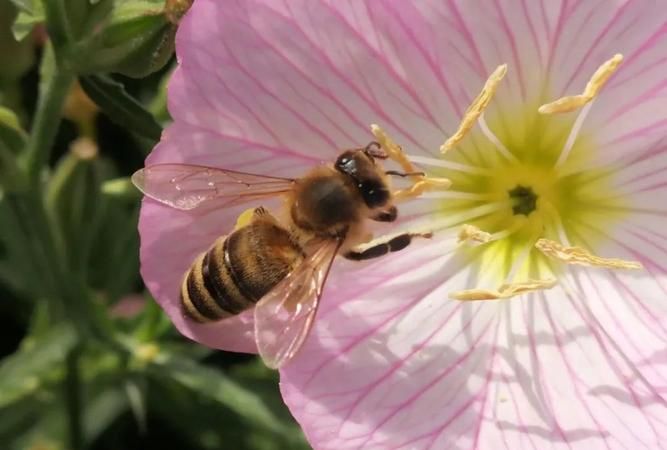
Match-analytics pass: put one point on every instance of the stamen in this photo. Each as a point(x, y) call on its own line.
point(472, 235)
point(519, 222)
point(469, 214)
point(581, 256)
point(420, 187)
point(597, 81)
point(425, 160)
point(495, 141)
point(476, 108)
point(394, 151)
point(421, 183)
point(456, 195)
point(518, 263)
point(504, 291)
point(572, 137)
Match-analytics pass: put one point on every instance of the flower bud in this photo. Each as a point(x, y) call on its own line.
point(175, 9)
point(136, 39)
point(73, 198)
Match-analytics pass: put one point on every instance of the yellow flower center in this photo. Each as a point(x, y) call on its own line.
point(527, 190)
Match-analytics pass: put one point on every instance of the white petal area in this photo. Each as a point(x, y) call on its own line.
point(415, 370)
point(386, 350)
point(562, 382)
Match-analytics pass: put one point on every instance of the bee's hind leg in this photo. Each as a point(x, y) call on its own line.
point(383, 245)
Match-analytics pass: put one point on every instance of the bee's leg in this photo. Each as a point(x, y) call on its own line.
point(420, 182)
point(383, 246)
point(388, 215)
point(251, 215)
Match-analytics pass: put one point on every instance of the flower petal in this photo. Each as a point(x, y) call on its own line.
point(415, 370)
point(278, 74)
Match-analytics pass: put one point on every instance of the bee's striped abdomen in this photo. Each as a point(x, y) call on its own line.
point(238, 270)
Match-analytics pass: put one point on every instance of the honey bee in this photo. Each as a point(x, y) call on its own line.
point(279, 266)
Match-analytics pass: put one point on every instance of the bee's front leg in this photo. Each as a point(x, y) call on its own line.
point(383, 245)
point(419, 181)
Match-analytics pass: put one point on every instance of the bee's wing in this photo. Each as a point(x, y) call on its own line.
point(185, 186)
point(284, 316)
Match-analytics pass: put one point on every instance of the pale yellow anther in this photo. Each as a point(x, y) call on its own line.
point(581, 256)
point(476, 108)
point(470, 234)
point(393, 150)
point(593, 88)
point(504, 291)
point(421, 183)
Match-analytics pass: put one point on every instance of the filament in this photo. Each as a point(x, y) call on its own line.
point(494, 139)
point(426, 161)
point(574, 133)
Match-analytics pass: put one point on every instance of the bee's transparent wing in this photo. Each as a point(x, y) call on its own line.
point(284, 316)
point(185, 186)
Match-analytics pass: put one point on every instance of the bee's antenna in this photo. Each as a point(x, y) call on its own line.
point(374, 149)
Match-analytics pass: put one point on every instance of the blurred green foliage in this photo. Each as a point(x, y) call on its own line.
point(89, 361)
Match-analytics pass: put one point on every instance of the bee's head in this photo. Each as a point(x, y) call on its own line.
point(359, 165)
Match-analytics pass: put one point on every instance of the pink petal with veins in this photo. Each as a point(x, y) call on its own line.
point(276, 86)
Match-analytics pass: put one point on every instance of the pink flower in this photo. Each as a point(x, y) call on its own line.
point(392, 362)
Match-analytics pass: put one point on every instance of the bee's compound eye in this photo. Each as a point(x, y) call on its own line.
point(374, 194)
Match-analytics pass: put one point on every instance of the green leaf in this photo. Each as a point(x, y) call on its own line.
point(158, 105)
point(18, 56)
point(85, 17)
point(11, 176)
point(101, 411)
point(216, 386)
point(35, 362)
point(123, 109)
point(31, 13)
point(23, 5)
point(136, 396)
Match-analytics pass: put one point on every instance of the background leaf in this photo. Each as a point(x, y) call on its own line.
point(112, 98)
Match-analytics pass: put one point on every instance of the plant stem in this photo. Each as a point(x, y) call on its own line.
point(47, 118)
point(73, 400)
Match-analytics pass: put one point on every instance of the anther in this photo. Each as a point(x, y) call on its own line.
point(476, 108)
point(421, 182)
point(593, 88)
point(504, 291)
point(470, 234)
point(581, 256)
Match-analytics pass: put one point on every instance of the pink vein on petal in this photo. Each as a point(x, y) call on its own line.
point(330, 64)
point(586, 58)
point(429, 61)
point(572, 373)
point(434, 382)
point(515, 53)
